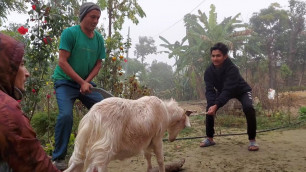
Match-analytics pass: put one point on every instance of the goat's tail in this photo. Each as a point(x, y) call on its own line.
point(81, 142)
point(96, 135)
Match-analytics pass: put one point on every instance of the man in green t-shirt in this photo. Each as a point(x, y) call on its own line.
point(81, 52)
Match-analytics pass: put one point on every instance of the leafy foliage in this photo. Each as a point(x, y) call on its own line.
point(203, 32)
point(302, 113)
point(133, 90)
point(111, 73)
point(118, 11)
point(10, 5)
point(46, 21)
point(44, 124)
point(269, 24)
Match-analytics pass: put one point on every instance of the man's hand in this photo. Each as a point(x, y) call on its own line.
point(212, 110)
point(85, 88)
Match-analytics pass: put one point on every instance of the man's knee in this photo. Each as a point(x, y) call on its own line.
point(90, 100)
point(248, 109)
point(66, 116)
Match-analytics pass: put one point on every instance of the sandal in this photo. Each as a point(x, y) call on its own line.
point(206, 143)
point(253, 146)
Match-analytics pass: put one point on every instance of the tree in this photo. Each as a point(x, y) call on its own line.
point(117, 11)
point(174, 50)
point(41, 37)
point(134, 67)
point(301, 55)
point(269, 24)
point(161, 76)
point(161, 79)
point(297, 14)
point(145, 47)
point(203, 32)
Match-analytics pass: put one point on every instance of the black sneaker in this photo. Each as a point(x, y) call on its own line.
point(60, 164)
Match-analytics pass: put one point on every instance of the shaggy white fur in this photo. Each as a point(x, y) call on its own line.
point(117, 128)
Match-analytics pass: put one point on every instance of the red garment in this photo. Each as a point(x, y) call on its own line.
point(19, 147)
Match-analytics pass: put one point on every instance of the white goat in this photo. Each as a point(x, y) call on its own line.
point(117, 128)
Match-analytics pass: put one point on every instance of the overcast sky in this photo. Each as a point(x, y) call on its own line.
point(165, 18)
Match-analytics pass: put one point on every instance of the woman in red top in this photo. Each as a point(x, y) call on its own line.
point(20, 150)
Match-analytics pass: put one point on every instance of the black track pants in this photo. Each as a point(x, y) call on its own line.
point(249, 111)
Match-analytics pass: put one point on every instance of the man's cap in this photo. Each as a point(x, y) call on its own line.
point(86, 8)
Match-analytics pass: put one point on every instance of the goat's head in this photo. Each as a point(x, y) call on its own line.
point(178, 123)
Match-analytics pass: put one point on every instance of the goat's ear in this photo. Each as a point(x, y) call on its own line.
point(188, 112)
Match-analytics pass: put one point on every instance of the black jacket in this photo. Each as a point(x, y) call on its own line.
point(223, 84)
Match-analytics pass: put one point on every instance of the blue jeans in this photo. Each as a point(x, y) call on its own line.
point(4, 167)
point(66, 94)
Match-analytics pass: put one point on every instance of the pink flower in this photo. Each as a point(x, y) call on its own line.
point(34, 7)
point(18, 101)
point(125, 60)
point(54, 92)
point(22, 30)
point(48, 96)
point(33, 90)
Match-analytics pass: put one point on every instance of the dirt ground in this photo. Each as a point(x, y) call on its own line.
point(280, 150)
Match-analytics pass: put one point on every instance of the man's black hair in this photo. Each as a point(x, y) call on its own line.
point(221, 47)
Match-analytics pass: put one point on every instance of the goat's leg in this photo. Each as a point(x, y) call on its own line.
point(102, 169)
point(97, 169)
point(90, 169)
point(148, 156)
point(158, 150)
point(74, 168)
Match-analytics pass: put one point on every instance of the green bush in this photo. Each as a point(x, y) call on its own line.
point(42, 124)
point(302, 113)
point(49, 147)
point(259, 109)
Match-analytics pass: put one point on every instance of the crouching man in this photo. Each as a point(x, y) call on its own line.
point(224, 82)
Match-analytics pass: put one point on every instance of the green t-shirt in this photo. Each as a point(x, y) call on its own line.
point(84, 52)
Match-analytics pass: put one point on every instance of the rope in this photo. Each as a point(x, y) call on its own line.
point(237, 134)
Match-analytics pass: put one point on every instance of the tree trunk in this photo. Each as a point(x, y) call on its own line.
point(199, 85)
point(292, 53)
point(271, 66)
point(110, 16)
point(292, 50)
point(302, 75)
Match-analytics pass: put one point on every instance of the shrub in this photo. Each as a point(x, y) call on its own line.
point(42, 125)
point(302, 113)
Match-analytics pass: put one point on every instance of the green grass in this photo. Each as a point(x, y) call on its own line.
point(230, 124)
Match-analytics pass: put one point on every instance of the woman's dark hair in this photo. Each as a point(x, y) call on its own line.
point(221, 47)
